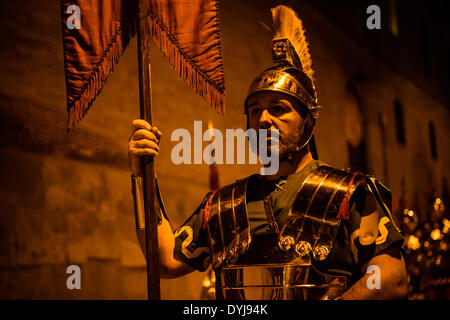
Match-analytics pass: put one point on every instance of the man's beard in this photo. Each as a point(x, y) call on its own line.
point(287, 145)
point(290, 144)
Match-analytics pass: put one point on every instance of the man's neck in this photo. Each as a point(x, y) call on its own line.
point(293, 163)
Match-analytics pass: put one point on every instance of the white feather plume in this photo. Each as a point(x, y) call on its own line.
point(287, 24)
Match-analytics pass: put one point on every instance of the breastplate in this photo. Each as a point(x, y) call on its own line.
point(279, 265)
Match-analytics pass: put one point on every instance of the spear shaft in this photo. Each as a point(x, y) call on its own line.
point(145, 101)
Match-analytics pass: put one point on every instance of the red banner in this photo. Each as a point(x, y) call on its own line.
point(96, 32)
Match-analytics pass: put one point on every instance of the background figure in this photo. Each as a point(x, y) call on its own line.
point(427, 244)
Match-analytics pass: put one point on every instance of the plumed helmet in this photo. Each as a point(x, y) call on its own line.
point(292, 73)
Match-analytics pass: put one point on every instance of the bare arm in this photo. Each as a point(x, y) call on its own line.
point(144, 141)
point(392, 282)
point(169, 266)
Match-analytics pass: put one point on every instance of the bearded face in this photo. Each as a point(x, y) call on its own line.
point(277, 111)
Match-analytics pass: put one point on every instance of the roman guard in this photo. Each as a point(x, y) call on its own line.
point(285, 262)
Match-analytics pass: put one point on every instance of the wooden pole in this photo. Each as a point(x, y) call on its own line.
point(145, 100)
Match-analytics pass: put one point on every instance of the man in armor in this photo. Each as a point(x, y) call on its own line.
point(308, 231)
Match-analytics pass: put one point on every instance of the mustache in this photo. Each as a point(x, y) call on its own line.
point(271, 133)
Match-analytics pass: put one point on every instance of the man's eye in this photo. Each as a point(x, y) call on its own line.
point(254, 111)
point(277, 109)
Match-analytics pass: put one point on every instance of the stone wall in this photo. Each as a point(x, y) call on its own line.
point(65, 197)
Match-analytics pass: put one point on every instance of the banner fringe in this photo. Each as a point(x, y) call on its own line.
point(79, 106)
point(213, 93)
point(194, 77)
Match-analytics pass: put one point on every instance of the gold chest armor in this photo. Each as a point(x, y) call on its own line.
point(279, 265)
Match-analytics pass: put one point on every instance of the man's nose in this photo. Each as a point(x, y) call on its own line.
point(265, 120)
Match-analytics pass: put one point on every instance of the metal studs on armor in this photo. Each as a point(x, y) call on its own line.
point(302, 248)
point(285, 243)
point(279, 50)
point(232, 251)
point(321, 252)
point(243, 246)
point(218, 260)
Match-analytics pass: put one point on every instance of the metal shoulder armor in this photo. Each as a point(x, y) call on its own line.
point(313, 219)
point(227, 223)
